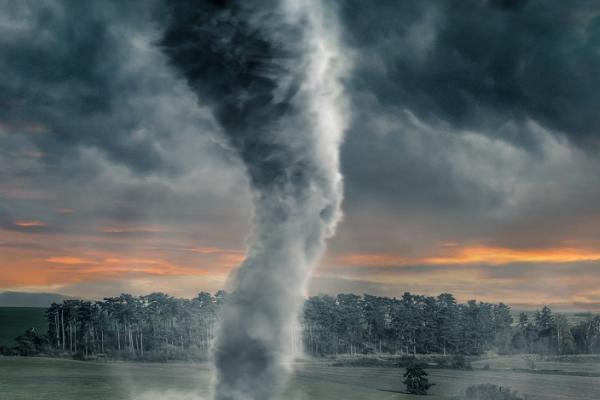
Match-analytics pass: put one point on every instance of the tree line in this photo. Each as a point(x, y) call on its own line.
point(415, 324)
point(161, 327)
point(152, 327)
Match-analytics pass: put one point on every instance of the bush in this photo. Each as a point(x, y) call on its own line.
point(7, 351)
point(459, 361)
point(530, 361)
point(30, 343)
point(491, 392)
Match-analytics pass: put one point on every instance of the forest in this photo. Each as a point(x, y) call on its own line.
point(159, 327)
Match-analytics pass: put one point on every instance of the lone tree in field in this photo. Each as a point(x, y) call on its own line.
point(416, 381)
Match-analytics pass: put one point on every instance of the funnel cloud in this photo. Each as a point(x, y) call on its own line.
point(270, 71)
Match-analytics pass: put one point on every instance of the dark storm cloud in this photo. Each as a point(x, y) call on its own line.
point(71, 80)
point(235, 68)
point(414, 186)
point(473, 120)
point(67, 71)
point(94, 121)
point(477, 64)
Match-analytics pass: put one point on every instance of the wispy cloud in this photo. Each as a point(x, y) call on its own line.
point(461, 255)
point(20, 126)
point(29, 223)
point(69, 260)
point(132, 229)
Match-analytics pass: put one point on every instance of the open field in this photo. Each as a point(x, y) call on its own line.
point(50, 379)
point(453, 382)
point(14, 321)
point(585, 365)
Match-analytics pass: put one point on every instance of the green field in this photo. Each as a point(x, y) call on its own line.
point(14, 321)
point(50, 379)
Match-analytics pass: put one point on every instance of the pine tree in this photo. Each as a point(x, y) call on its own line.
point(416, 381)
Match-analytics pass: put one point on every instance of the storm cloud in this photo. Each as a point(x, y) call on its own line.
point(479, 64)
point(473, 122)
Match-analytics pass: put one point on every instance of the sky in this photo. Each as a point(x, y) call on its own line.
point(471, 160)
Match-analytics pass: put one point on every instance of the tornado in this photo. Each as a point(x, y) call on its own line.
point(271, 72)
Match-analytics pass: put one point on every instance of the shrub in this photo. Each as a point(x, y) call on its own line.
point(491, 392)
point(530, 361)
point(30, 343)
point(416, 381)
point(7, 351)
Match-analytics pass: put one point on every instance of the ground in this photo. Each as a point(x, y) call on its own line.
point(51, 379)
point(14, 321)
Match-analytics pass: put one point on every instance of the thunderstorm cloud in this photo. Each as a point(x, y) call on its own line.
point(474, 125)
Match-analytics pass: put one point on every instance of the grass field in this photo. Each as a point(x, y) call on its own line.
point(14, 321)
point(50, 379)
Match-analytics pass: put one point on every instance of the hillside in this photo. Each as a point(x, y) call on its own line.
point(25, 299)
